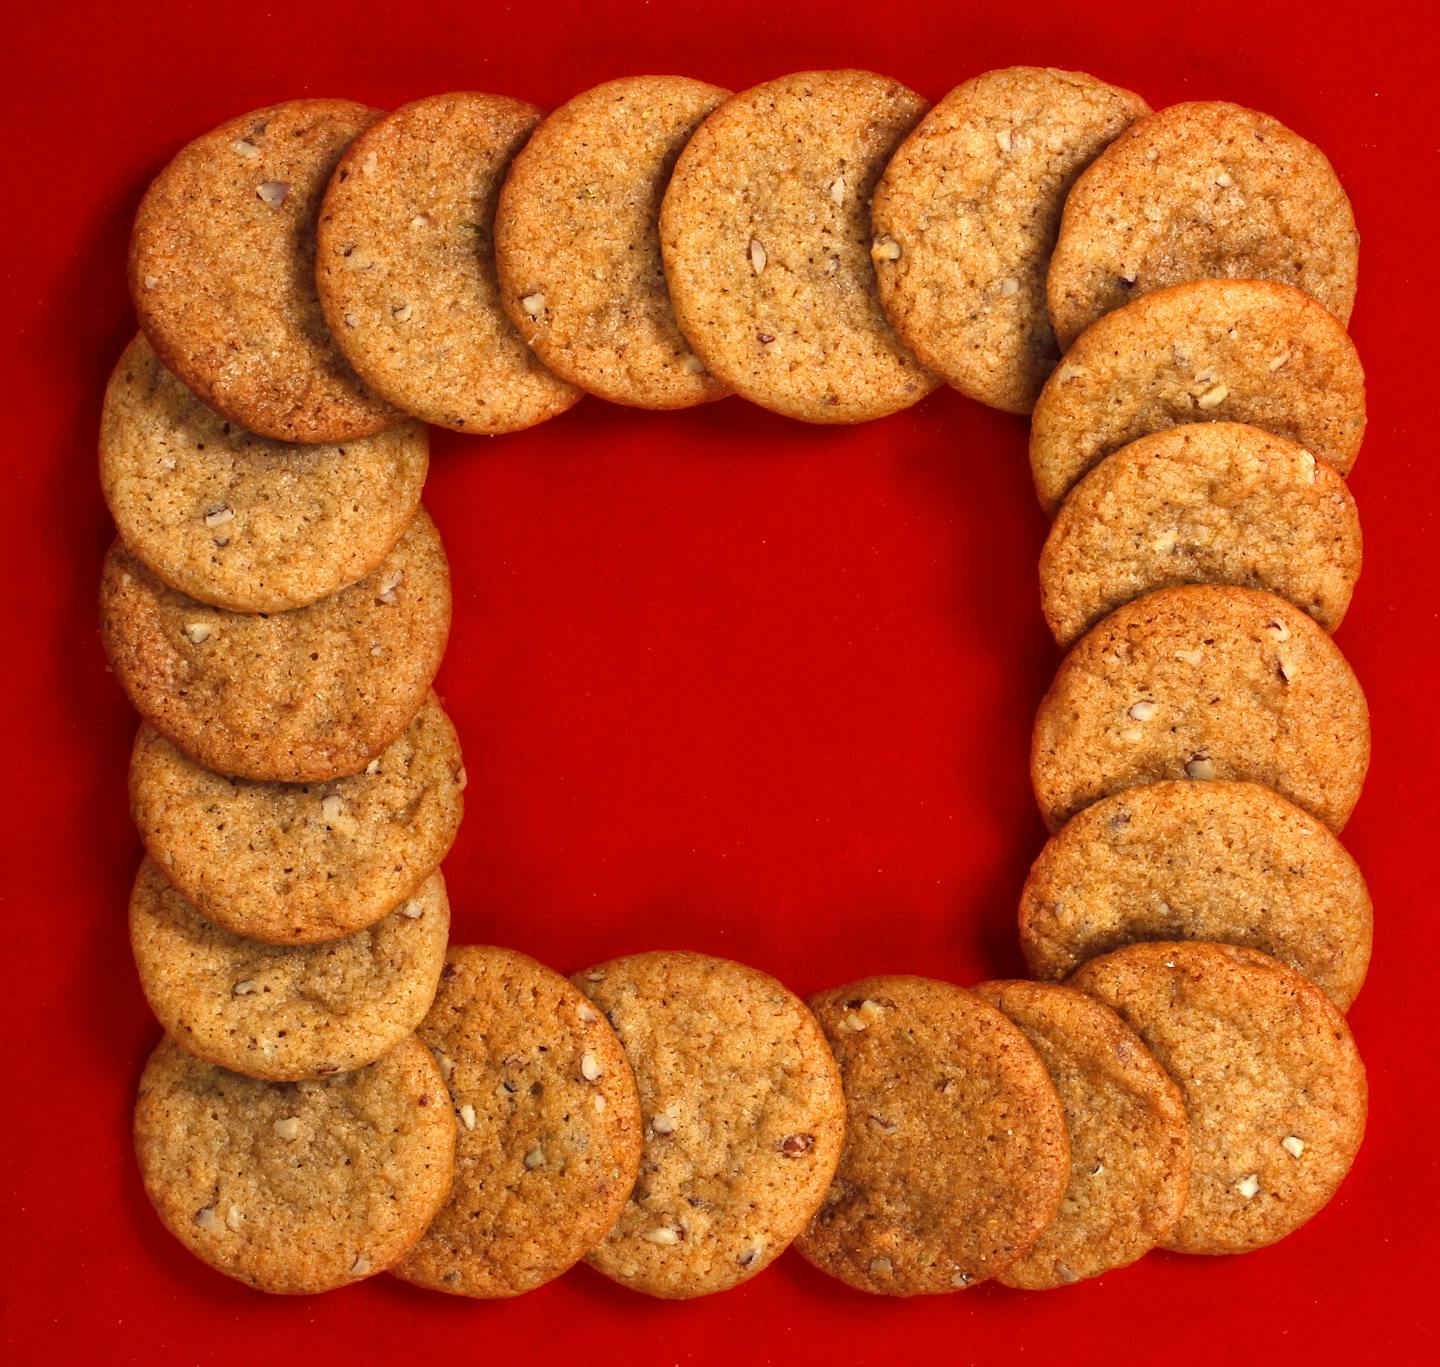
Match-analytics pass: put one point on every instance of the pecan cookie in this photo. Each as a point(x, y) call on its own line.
point(1129, 1139)
point(1200, 683)
point(577, 242)
point(743, 1117)
point(1273, 1085)
point(549, 1126)
point(956, 1154)
point(1246, 351)
point(286, 1012)
point(222, 272)
point(295, 1187)
point(765, 232)
point(1202, 190)
point(300, 696)
point(972, 203)
point(240, 521)
point(406, 266)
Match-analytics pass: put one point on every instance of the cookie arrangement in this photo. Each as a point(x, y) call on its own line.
point(340, 1090)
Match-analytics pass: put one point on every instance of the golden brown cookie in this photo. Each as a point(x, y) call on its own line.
point(1204, 503)
point(286, 1012)
point(956, 1154)
point(1129, 1138)
point(222, 272)
point(743, 1114)
point(972, 201)
point(1273, 1085)
point(295, 1187)
point(300, 863)
point(1246, 351)
point(1199, 861)
point(1202, 190)
point(1201, 683)
point(302, 696)
point(549, 1126)
point(240, 521)
point(406, 266)
point(766, 237)
point(577, 244)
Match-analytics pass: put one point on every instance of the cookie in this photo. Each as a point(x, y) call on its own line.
point(295, 1187)
point(1198, 191)
point(1273, 1085)
point(1129, 1138)
point(406, 266)
point(765, 232)
point(286, 1012)
point(1212, 351)
point(1199, 861)
point(956, 1154)
point(240, 521)
point(222, 272)
point(743, 1119)
point(549, 1126)
point(1203, 682)
point(300, 697)
point(577, 247)
point(301, 863)
point(1203, 503)
point(972, 201)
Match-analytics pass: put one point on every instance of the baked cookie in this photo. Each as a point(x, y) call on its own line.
point(744, 1119)
point(1196, 191)
point(1199, 861)
point(240, 521)
point(1274, 1088)
point(1203, 503)
point(765, 232)
point(406, 266)
point(1129, 1139)
point(286, 1012)
point(577, 246)
point(972, 201)
point(295, 1187)
point(1214, 350)
point(300, 697)
point(222, 272)
point(301, 863)
point(1203, 682)
point(955, 1155)
point(549, 1135)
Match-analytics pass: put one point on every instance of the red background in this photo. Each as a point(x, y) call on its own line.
point(723, 681)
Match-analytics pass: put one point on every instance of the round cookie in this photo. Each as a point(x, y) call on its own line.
point(956, 1154)
point(240, 521)
point(577, 249)
point(744, 1120)
point(1214, 350)
point(1232, 862)
point(222, 272)
point(1129, 1138)
point(548, 1140)
point(406, 266)
point(1203, 682)
point(1197, 191)
point(300, 697)
point(1203, 503)
point(1273, 1085)
point(302, 863)
point(286, 1012)
point(295, 1187)
point(765, 232)
point(972, 200)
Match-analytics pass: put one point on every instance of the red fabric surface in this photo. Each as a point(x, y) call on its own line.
point(723, 681)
